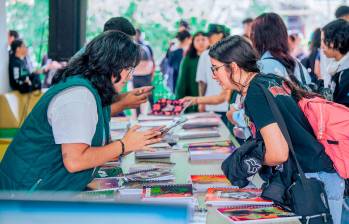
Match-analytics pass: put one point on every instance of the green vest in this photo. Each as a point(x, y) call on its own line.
point(34, 162)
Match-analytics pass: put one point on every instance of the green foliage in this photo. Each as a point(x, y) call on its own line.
point(31, 21)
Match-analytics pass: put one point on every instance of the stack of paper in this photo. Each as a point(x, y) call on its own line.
point(235, 196)
point(176, 193)
point(257, 214)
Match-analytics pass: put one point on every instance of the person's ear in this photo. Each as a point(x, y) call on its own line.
point(234, 67)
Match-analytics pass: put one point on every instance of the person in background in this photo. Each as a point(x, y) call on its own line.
point(144, 72)
point(236, 68)
point(12, 36)
point(186, 83)
point(134, 98)
point(335, 44)
point(275, 57)
point(342, 12)
point(183, 26)
point(175, 58)
point(312, 61)
point(247, 25)
point(295, 44)
point(21, 78)
point(328, 65)
point(65, 138)
point(208, 86)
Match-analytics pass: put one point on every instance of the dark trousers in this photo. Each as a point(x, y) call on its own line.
point(140, 81)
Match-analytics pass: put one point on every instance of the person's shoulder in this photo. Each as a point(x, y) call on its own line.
point(76, 94)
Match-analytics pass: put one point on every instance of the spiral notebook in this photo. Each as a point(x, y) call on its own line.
point(198, 133)
point(151, 175)
point(109, 171)
point(176, 193)
point(136, 187)
point(210, 151)
point(257, 214)
point(202, 123)
point(108, 194)
point(234, 197)
point(202, 182)
point(105, 183)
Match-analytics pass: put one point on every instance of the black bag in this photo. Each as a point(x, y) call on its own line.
point(306, 196)
point(244, 162)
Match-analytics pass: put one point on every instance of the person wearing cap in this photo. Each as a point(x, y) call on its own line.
point(208, 86)
point(137, 96)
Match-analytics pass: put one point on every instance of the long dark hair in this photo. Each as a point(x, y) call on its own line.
point(237, 49)
point(105, 56)
point(336, 33)
point(192, 52)
point(269, 33)
point(315, 42)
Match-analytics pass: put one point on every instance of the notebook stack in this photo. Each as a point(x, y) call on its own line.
point(119, 127)
point(105, 183)
point(223, 197)
point(257, 214)
point(203, 182)
point(176, 193)
point(197, 133)
point(137, 178)
point(211, 150)
point(202, 123)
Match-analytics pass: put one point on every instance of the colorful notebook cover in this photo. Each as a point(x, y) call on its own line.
point(104, 172)
point(209, 179)
point(136, 188)
point(167, 107)
point(235, 196)
point(168, 191)
point(108, 194)
point(208, 144)
point(150, 175)
point(210, 151)
point(257, 214)
point(105, 183)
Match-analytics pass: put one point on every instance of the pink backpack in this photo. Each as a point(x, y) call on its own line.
point(330, 122)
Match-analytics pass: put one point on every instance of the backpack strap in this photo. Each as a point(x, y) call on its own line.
point(283, 127)
point(304, 82)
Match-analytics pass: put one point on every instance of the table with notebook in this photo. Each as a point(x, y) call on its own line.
point(187, 171)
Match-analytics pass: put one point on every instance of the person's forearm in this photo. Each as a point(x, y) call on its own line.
point(92, 157)
point(117, 107)
point(202, 88)
point(213, 100)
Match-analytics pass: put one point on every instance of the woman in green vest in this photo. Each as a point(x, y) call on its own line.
point(186, 83)
point(65, 138)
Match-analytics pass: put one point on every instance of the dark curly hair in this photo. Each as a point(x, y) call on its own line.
point(336, 35)
point(104, 57)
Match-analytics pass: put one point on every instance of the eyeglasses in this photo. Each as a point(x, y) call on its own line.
point(215, 69)
point(130, 71)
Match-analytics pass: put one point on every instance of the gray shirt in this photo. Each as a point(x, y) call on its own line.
point(73, 116)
